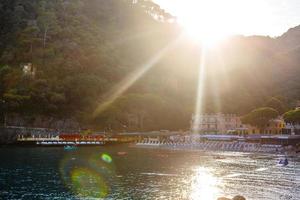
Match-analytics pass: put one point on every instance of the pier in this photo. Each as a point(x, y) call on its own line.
point(64, 139)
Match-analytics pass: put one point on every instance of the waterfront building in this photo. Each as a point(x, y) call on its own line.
point(231, 124)
point(291, 129)
point(216, 123)
point(29, 69)
point(274, 127)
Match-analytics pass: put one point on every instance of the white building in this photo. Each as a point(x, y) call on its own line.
point(216, 123)
point(292, 129)
point(28, 69)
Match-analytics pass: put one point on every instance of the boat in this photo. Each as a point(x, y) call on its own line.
point(70, 148)
point(283, 162)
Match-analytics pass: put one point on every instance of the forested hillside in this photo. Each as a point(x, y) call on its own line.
point(65, 59)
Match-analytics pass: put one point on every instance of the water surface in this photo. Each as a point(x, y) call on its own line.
point(122, 172)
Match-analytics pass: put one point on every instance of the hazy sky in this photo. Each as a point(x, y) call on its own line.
point(247, 17)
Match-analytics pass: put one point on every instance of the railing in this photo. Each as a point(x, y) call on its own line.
point(51, 138)
point(21, 138)
point(216, 146)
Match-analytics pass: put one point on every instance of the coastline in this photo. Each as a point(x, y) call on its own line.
point(209, 147)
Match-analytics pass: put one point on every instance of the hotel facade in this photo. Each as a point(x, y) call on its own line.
point(216, 123)
point(231, 124)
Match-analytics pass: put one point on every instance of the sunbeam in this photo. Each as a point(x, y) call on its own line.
point(122, 86)
point(219, 77)
point(200, 90)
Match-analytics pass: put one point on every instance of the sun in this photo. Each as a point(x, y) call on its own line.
point(207, 35)
point(212, 21)
point(206, 21)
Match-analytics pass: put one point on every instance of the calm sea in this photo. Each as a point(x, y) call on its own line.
point(122, 172)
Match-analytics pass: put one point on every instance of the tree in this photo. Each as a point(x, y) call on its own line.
point(276, 104)
point(86, 132)
point(29, 41)
point(292, 117)
point(46, 22)
point(81, 49)
point(260, 117)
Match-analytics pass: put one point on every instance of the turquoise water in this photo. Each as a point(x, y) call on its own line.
point(122, 172)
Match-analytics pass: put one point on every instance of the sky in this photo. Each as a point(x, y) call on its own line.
point(242, 17)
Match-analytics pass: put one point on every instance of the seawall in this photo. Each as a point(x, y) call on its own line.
point(9, 135)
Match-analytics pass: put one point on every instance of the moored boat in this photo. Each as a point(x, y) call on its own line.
point(70, 147)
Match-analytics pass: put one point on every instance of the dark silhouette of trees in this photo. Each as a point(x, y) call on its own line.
point(260, 117)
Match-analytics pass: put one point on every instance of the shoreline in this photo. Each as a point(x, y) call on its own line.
point(209, 147)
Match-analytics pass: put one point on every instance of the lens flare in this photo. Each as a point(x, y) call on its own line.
point(88, 183)
point(106, 158)
point(103, 163)
point(66, 167)
point(88, 176)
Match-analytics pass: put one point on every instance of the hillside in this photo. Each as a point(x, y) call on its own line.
point(84, 52)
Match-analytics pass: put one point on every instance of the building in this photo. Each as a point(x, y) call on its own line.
point(29, 69)
point(291, 129)
point(231, 124)
point(219, 123)
point(274, 127)
point(216, 123)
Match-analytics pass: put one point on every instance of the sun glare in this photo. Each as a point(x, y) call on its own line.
point(201, 21)
point(211, 21)
point(204, 185)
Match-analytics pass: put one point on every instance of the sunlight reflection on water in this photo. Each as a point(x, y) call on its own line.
point(148, 174)
point(204, 185)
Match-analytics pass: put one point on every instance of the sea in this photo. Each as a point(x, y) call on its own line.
point(128, 172)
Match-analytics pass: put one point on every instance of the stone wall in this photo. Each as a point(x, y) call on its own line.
point(9, 135)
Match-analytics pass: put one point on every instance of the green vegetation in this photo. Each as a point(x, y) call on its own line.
point(86, 132)
point(260, 117)
point(77, 52)
point(292, 116)
point(276, 104)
